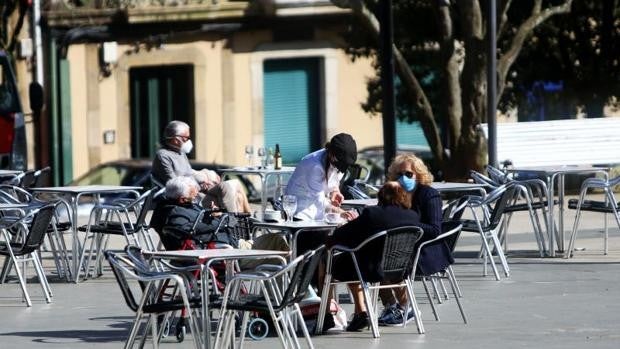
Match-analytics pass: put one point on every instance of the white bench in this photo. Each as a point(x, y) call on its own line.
point(559, 142)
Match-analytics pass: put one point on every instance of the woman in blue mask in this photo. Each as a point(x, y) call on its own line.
point(413, 175)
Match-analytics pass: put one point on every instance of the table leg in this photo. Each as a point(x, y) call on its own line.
point(204, 288)
point(550, 195)
point(561, 213)
point(75, 243)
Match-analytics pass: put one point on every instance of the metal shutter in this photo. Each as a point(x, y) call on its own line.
point(291, 102)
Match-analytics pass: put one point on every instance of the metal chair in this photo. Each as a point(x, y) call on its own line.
point(488, 225)
point(30, 232)
point(267, 296)
point(396, 263)
point(149, 301)
point(609, 205)
point(530, 196)
point(451, 231)
point(116, 221)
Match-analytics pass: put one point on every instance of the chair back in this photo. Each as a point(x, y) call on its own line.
point(500, 205)
point(497, 175)
point(452, 229)
point(304, 268)
point(146, 206)
point(134, 253)
point(38, 228)
point(118, 265)
point(40, 177)
point(399, 251)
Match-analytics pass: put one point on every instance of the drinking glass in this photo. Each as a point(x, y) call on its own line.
point(289, 204)
point(261, 155)
point(249, 153)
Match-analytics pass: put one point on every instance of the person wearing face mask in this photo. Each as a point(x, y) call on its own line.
point(171, 161)
point(180, 210)
point(414, 176)
point(316, 179)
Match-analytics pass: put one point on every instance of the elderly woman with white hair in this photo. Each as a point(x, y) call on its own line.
point(179, 210)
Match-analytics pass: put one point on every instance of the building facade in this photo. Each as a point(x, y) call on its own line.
point(239, 72)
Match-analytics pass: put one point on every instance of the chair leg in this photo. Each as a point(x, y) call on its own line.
point(20, 276)
point(304, 329)
point(47, 291)
point(436, 290)
point(458, 289)
point(414, 305)
point(573, 235)
point(374, 326)
point(430, 299)
point(500, 253)
point(454, 286)
point(323, 306)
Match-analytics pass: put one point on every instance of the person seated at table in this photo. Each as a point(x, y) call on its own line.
point(179, 210)
point(415, 178)
point(171, 161)
point(391, 211)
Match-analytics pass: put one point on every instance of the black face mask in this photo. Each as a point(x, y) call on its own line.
point(341, 166)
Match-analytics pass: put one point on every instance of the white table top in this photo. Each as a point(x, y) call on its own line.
point(87, 189)
point(296, 224)
point(257, 170)
point(456, 186)
point(225, 253)
point(560, 169)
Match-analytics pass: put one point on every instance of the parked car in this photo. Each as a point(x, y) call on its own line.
point(371, 159)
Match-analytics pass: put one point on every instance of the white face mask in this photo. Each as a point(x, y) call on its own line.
point(187, 146)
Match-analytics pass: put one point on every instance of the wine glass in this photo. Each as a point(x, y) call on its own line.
point(289, 204)
point(261, 155)
point(249, 153)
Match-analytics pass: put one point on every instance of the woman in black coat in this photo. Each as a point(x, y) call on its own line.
point(392, 211)
point(413, 175)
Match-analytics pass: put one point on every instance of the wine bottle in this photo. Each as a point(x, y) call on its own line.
point(277, 157)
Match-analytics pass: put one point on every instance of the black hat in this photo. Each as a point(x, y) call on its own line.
point(344, 149)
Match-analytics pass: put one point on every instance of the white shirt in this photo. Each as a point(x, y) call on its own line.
point(308, 184)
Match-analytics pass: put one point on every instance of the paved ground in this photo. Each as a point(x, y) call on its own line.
point(550, 303)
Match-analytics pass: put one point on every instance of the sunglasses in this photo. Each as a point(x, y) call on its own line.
point(183, 138)
point(409, 174)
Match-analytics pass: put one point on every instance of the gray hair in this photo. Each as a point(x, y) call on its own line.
point(174, 128)
point(179, 187)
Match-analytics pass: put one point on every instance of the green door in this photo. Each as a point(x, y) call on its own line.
point(292, 106)
point(159, 95)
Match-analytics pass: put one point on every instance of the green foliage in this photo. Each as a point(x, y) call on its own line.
point(581, 50)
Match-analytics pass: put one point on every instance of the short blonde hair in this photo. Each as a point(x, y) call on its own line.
point(423, 175)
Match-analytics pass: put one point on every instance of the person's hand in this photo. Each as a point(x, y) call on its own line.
point(336, 198)
point(349, 215)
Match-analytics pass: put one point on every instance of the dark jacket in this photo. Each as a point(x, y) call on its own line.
point(373, 219)
point(170, 213)
point(427, 203)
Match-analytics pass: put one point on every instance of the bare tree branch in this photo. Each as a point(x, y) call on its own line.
point(538, 16)
point(408, 79)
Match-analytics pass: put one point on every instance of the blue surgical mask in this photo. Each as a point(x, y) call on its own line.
point(407, 183)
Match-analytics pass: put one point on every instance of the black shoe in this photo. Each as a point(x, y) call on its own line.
point(328, 322)
point(358, 323)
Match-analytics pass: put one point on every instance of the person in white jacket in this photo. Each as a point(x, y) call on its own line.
point(316, 179)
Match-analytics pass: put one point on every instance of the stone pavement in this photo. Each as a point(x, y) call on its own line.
point(545, 303)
